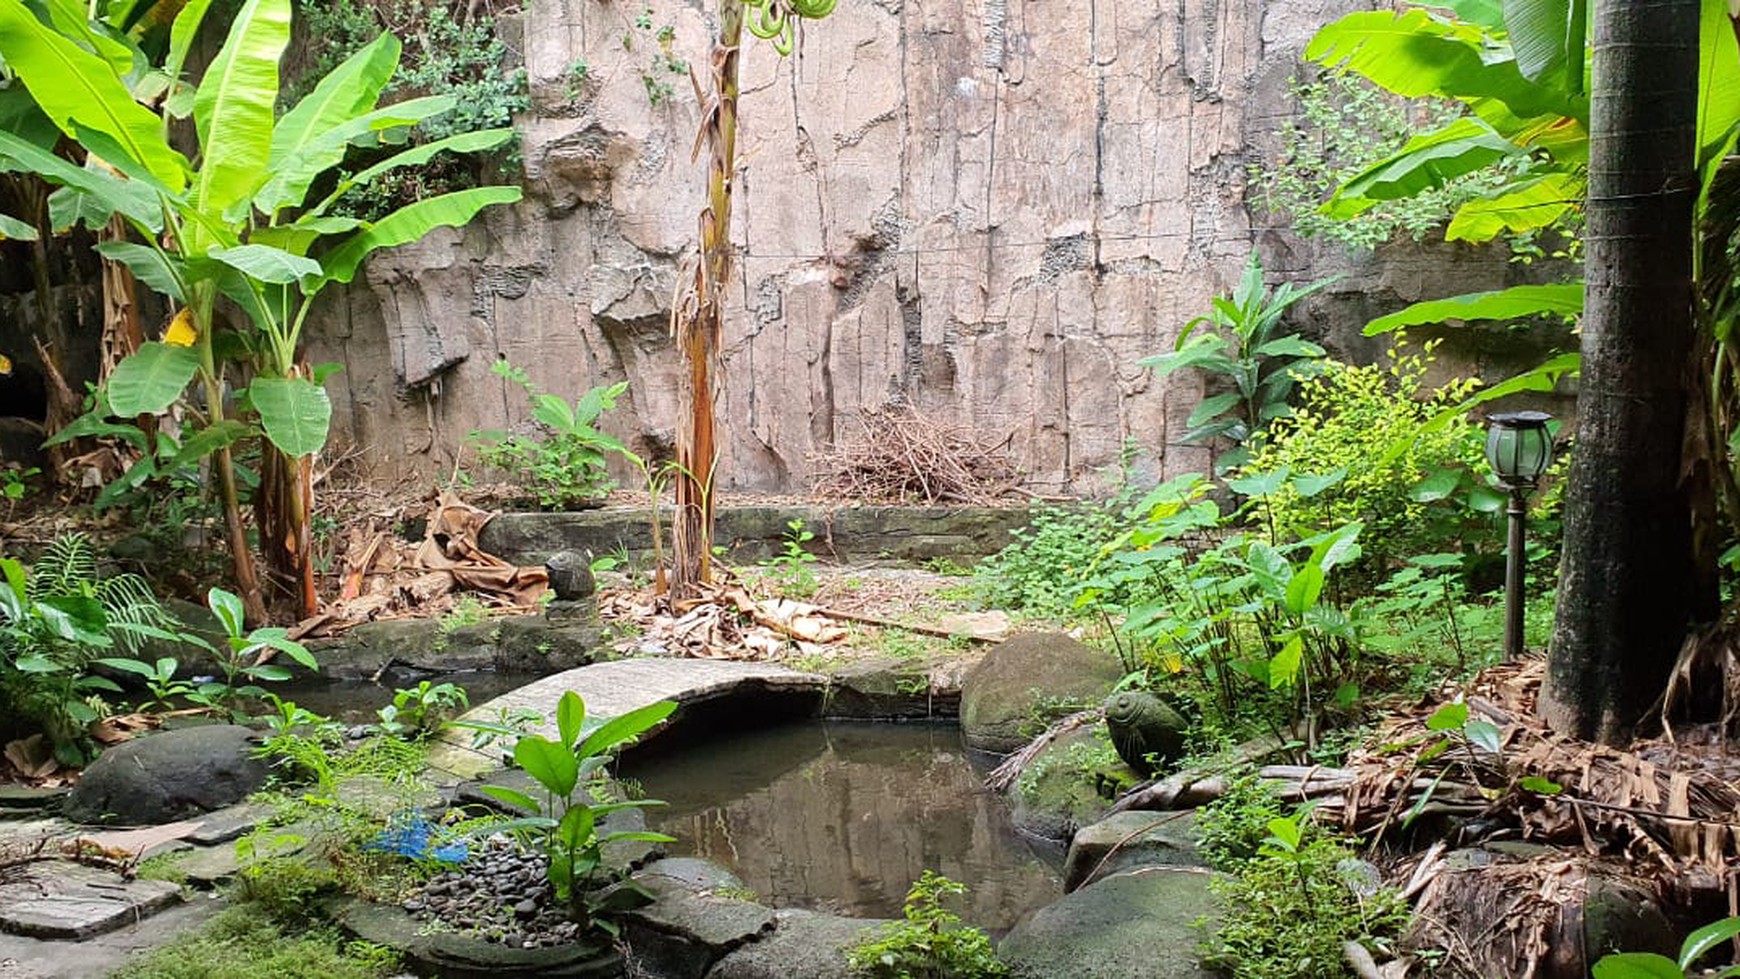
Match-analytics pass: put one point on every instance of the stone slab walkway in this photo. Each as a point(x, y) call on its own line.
point(610, 690)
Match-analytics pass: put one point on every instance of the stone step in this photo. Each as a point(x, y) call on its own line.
point(62, 900)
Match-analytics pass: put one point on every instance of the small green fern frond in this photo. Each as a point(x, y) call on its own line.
point(67, 567)
point(128, 600)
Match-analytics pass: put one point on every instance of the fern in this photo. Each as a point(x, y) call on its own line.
point(134, 612)
point(67, 567)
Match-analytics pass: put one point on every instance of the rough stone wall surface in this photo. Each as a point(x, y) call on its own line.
point(987, 209)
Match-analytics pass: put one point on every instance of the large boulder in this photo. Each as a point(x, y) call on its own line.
point(697, 916)
point(1070, 783)
point(1029, 680)
point(169, 776)
point(1138, 925)
point(1130, 840)
point(803, 945)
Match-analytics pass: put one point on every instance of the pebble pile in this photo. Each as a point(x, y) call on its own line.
point(499, 894)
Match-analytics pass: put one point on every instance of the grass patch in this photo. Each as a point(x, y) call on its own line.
point(240, 943)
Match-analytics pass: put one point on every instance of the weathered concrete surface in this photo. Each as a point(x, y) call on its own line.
point(980, 212)
point(612, 689)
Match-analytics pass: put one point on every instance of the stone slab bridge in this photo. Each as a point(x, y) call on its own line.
point(615, 688)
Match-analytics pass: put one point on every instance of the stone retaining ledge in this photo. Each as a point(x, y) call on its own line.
point(856, 534)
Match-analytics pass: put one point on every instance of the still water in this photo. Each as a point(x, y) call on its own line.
point(843, 816)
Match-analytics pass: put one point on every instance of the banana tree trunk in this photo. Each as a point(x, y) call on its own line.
point(284, 512)
point(1626, 588)
point(241, 558)
point(699, 320)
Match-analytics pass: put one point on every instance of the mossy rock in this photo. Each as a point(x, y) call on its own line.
point(1069, 784)
point(1138, 925)
point(1026, 682)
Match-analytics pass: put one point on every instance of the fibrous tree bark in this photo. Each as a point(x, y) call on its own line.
point(698, 321)
point(1626, 593)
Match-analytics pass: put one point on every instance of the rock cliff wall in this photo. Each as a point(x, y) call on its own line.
point(987, 209)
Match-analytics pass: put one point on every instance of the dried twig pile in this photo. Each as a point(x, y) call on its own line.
point(903, 456)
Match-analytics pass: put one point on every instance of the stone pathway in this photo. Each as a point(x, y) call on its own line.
point(610, 690)
point(61, 919)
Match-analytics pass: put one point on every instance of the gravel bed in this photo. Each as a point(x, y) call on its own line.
point(499, 894)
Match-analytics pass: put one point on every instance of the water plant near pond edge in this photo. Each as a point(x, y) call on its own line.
point(932, 943)
point(565, 822)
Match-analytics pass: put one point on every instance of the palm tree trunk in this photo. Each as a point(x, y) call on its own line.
point(699, 321)
point(1625, 591)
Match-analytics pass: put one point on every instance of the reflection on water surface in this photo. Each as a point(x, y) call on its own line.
point(843, 816)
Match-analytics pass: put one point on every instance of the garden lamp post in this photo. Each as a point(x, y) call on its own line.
point(1520, 448)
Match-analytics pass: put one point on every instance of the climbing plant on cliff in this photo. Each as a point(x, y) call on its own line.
point(242, 225)
point(698, 318)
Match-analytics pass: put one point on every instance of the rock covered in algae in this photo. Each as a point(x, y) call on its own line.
point(1142, 726)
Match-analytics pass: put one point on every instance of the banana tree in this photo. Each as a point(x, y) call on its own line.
point(698, 319)
point(241, 225)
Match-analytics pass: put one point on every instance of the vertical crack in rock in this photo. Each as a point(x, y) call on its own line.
point(822, 395)
point(1101, 112)
point(996, 24)
point(912, 359)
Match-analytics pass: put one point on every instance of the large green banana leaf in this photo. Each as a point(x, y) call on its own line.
point(233, 111)
point(348, 90)
point(150, 380)
point(1415, 54)
point(1517, 302)
point(412, 222)
point(294, 411)
point(130, 198)
point(69, 83)
point(292, 176)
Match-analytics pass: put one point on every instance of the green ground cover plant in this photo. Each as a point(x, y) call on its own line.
point(240, 943)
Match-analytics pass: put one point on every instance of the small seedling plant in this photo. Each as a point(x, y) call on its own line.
point(791, 567)
point(240, 660)
point(565, 821)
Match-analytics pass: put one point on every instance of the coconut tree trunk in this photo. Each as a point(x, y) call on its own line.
point(699, 320)
point(1625, 596)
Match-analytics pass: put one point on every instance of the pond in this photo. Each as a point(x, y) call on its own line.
point(843, 816)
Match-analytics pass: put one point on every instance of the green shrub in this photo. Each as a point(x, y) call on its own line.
point(1043, 571)
point(57, 618)
point(1418, 488)
point(565, 465)
point(1248, 621)
point(932, 943)
point(463, 58)
point(1292, 906)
